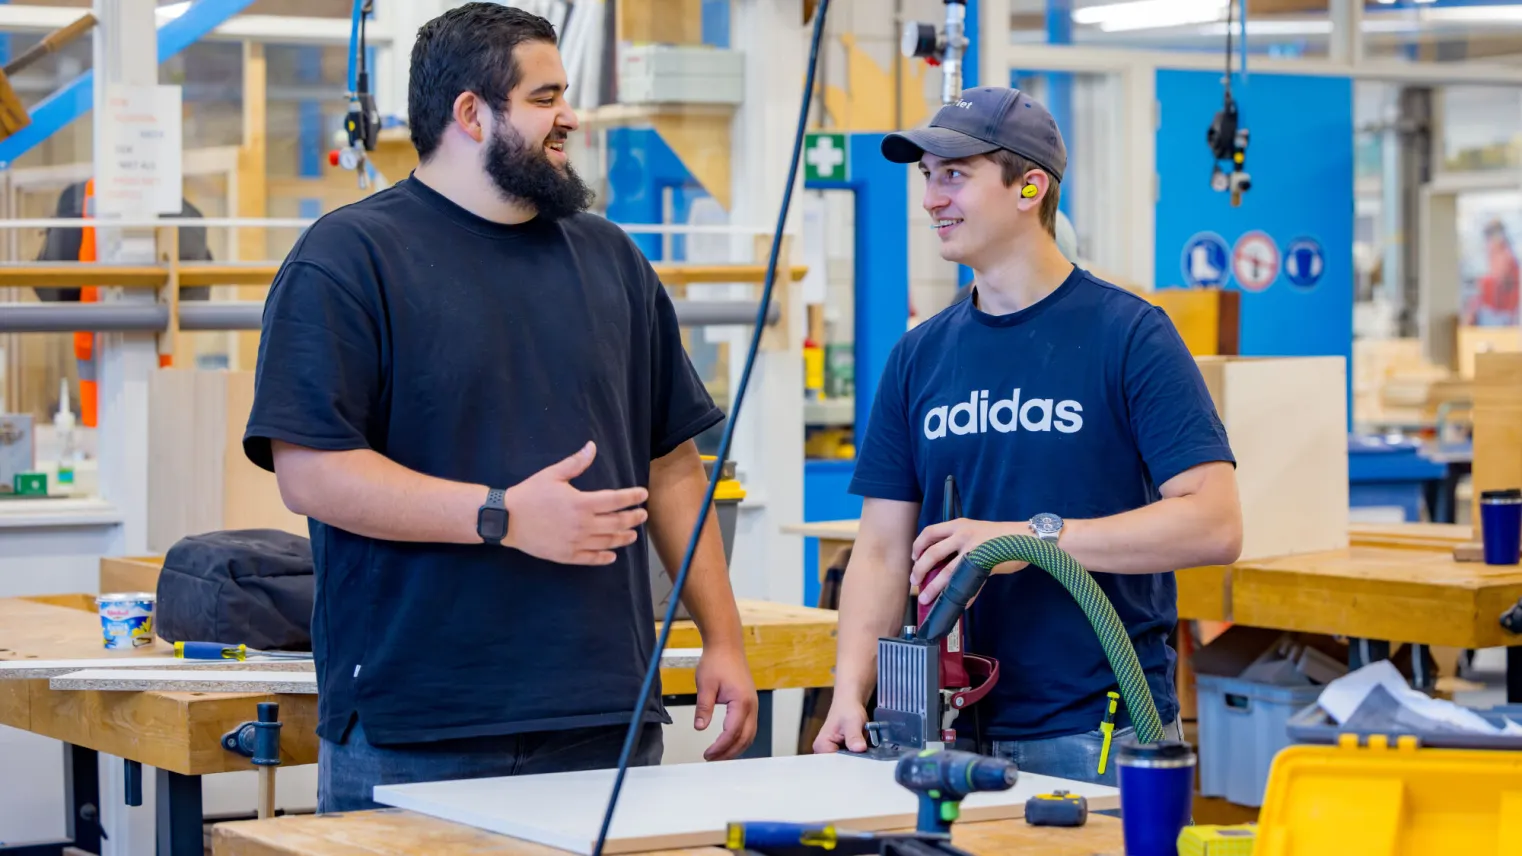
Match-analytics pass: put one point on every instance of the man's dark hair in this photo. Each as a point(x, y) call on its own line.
point(1013, 168)
point(467, 49)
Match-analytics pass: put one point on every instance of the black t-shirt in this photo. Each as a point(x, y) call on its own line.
point(478, 352)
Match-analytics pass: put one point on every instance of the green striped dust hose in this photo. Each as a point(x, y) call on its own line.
point(1101, 614)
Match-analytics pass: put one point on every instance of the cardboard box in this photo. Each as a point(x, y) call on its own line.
point(1286, 419)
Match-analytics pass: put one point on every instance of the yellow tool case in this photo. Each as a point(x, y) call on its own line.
point(1384, 797)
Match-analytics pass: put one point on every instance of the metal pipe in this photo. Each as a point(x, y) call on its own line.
point(199, 315)
point(84, 317)
point(151, 223)
point(302, 223)
point(221, 314)
point(705, 313)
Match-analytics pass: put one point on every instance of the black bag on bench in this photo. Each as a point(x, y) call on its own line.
point(249, 586)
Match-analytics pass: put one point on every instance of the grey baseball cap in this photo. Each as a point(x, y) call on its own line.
point(986, 118)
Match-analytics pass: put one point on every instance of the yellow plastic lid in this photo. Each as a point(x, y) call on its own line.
point(1391, 800)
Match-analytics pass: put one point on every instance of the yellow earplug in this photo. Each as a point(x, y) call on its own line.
point(1029, 190)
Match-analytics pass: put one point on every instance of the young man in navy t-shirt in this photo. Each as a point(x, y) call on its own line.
point(1064, 407)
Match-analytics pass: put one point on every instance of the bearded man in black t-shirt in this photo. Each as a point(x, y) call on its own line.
point(478, 395)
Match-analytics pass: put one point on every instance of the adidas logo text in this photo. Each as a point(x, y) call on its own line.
point(978, 415)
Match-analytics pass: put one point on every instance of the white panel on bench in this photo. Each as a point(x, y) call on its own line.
point(16, 670)
point(186, 681)
point(689, 805)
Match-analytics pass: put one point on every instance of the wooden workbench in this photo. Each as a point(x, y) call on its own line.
point(180, 733)
point(1394, 593)
point(394, 832)
point(1395, 582)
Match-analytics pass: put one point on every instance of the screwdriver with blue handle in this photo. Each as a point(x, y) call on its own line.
point(787, 839)
point(219, 651)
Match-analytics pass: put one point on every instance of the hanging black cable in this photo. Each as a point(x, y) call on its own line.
point(653, 670)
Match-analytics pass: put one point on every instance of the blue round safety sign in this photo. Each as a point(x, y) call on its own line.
point(1304, 261)
point(1204, 261)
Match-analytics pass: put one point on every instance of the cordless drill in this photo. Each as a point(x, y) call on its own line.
point(942, 779)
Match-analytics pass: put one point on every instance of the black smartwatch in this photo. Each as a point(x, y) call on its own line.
point(491, 519)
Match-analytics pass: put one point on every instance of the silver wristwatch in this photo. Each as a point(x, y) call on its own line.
point(1046, 526)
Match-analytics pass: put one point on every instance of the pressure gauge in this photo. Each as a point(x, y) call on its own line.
point(920, 40)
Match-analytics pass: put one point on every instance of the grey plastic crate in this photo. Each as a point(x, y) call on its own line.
point(1243, 725)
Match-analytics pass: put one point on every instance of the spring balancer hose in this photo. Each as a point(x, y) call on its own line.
point(1100, 612)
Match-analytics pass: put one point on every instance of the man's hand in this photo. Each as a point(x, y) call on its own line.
point(551, 519)
point(944, 544)
point(844, 728)
point(724, 678)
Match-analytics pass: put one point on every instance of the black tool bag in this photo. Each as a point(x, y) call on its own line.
point(249, 586)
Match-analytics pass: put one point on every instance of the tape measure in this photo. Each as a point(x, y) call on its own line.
point(1058, 808)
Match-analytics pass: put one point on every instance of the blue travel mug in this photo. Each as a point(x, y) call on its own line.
point(1501, 525)
point(1156, 795)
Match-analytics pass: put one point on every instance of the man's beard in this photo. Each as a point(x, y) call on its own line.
point(524, 174)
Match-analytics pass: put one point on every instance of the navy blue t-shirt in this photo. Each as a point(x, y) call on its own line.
point(478, 352)
point(1081, 405)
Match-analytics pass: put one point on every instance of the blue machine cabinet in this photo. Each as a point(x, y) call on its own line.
point(1390, 473)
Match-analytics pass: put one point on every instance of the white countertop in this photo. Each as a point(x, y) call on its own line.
point(61, 511)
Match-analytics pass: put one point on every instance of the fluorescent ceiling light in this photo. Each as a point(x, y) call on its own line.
point(1473, 14)
point(1301, 27)
point(1150, 14)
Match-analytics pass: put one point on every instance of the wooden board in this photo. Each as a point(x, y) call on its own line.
point(1473, 341)
point(130, 573)
point(1415, 536)
point(1207, 319)
point(687, 805)
point(395, 832)
point(199, 479)
point(19, 670)
point(1293, 484)
point(1497, 427)
point(1204, 594)
point(1401, 595)
point(187, 681)
point(170, 674)
point(676, 22)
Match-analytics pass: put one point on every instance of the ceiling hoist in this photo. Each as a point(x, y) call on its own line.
point(1227, 137)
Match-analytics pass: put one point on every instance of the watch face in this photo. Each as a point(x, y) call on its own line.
point(492, 523)
point(1045, 522)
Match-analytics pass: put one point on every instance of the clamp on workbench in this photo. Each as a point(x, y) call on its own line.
point(259, 741)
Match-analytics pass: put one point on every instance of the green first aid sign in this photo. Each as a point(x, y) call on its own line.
point(825, 158)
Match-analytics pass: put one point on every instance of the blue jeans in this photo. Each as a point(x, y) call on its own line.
point(1074, 756)
point(348, 772)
